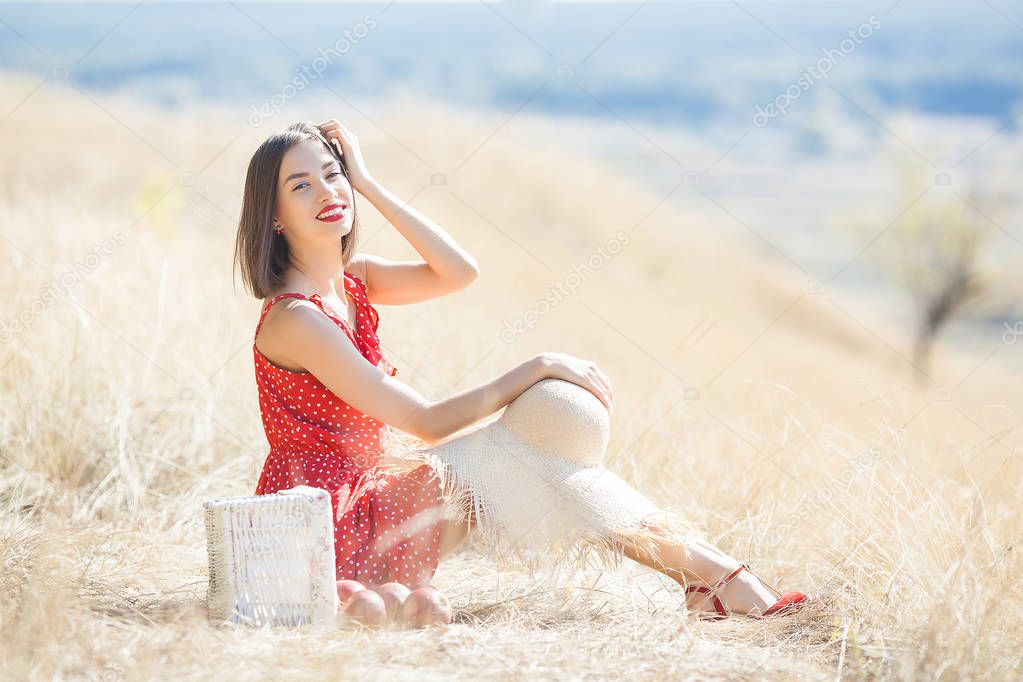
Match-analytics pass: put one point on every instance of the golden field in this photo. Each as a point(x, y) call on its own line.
point(782, 419)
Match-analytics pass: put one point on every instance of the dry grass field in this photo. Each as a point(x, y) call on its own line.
point(780, 418)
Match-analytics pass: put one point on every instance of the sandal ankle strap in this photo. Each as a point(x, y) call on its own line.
point(719, 585)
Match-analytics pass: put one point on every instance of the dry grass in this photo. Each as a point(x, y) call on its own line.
point(805, 450)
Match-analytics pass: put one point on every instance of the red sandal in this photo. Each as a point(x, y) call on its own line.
point(786, 604)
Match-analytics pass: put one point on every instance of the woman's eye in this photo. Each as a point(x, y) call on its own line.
point(300, 185)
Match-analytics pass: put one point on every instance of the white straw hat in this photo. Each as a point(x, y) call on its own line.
point(535, 481)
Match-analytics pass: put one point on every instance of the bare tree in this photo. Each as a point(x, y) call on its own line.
point(940, 252)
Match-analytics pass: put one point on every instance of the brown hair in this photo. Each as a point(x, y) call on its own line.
point(261, 254)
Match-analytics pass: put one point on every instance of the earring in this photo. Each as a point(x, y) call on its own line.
point(278, 228)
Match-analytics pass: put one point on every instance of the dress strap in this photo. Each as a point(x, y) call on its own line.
point(315, 298)
point(362, 291)
point(357, 281)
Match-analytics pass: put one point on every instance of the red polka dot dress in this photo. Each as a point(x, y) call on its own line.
point(387, 526)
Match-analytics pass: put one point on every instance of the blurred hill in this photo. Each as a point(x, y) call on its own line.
point(528, 209)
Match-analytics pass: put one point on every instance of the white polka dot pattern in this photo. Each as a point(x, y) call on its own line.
point(319, 440)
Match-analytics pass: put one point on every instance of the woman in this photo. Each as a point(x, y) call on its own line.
point(328, 394)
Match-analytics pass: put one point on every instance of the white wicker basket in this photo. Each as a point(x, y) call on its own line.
point(272, 558)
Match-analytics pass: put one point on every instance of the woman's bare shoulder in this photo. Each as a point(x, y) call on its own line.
point(357, 266)
point(270, 340)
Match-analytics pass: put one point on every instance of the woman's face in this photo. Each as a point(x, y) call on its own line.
point(314, 198)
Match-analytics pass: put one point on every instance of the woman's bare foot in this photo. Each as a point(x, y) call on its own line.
point(744, 594)
point(696, 562)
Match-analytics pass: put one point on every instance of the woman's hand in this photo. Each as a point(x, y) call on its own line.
point(581, 372)
point(358, 175)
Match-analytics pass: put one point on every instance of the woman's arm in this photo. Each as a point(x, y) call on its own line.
point(453, 414)
point(450, 263)
point(318, 345)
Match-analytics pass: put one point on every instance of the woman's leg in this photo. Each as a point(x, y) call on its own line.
point(698, 562)
point(453, 533)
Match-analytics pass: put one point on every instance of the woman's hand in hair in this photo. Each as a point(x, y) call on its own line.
point(358, 175)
